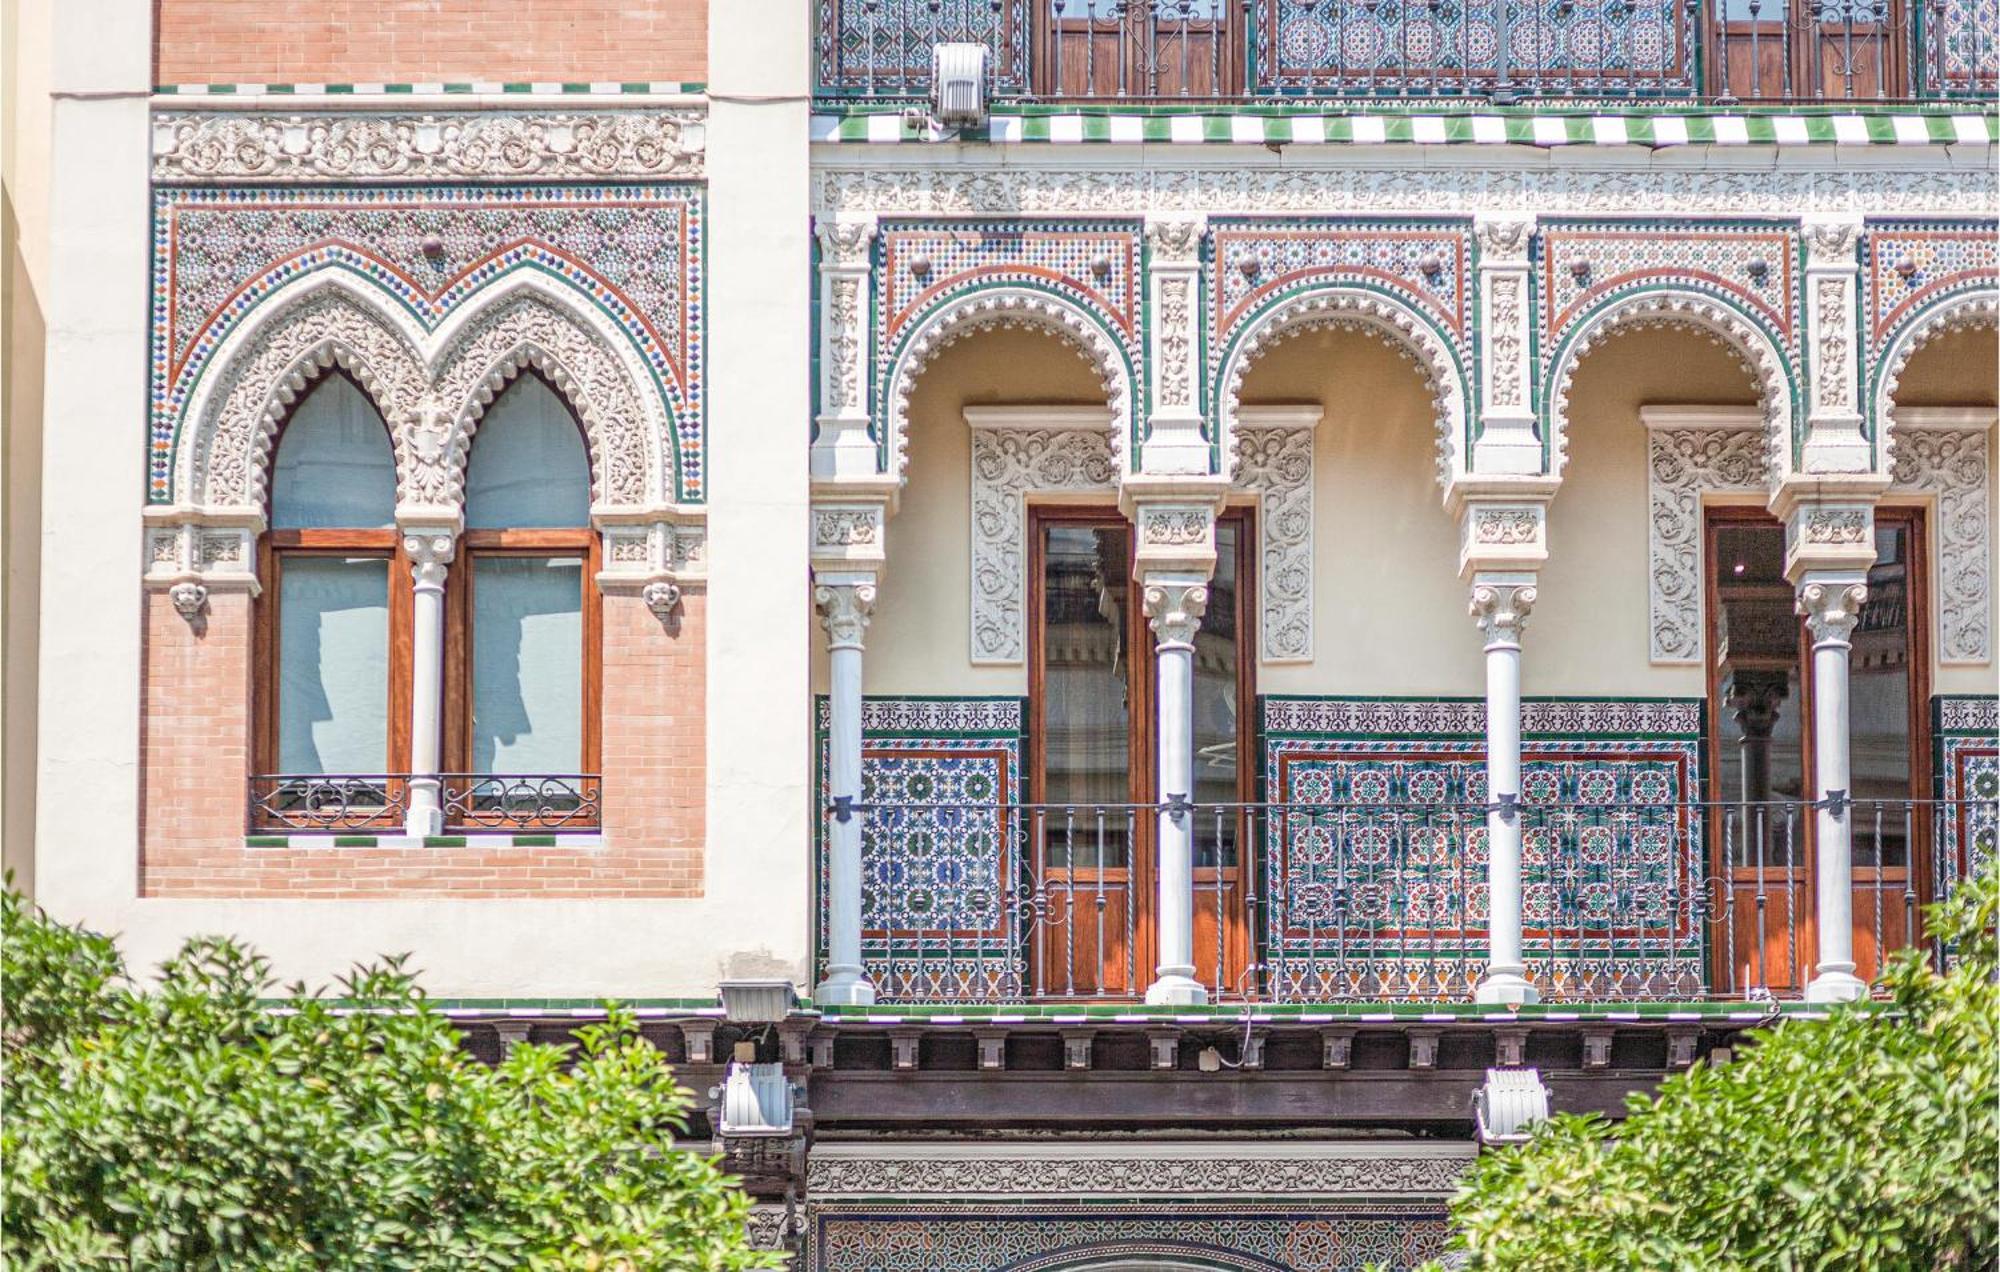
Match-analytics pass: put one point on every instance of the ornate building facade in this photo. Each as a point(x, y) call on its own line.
point(1095, 663)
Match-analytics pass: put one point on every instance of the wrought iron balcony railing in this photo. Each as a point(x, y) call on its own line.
point(1365, 902)
point(378, 802)
point(1817, 51)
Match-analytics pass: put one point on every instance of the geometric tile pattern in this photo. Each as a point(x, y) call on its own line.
point(884, 46)
point(1376, 868)
point(1405, 46)
point(1961, 55)
point(1906, 266)
point(1320, 1237)
point(635, 251)
point(1093, 263)
point(1966, 729)
point(1582, 265)
point(940, 869)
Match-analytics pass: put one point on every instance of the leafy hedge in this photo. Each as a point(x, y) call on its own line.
point(191, 1126)
point(1870, 1140)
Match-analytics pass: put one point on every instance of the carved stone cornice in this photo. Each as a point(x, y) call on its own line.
point(327, 145)
point(1286, 1172)
point(869, 186)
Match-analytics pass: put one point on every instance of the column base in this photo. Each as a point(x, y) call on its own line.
point(423, 822)
point(1836, 985)
point(1506, 988)
point(845, 987)
point(1176, 990)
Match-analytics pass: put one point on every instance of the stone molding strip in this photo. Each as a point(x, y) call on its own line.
point(1963, 127)
point(322, 144)
point(469, 88)
point(1289, 1169)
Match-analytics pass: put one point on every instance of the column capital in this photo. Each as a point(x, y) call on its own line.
point(1831, 605)
point(1500, 605)
point(845, 602)
point(430, 549)
point(1756, 697)
point(1174, 604)
point(846, 242)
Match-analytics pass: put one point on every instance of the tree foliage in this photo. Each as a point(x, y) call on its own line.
point(193, 1125)
point(1869, 1140)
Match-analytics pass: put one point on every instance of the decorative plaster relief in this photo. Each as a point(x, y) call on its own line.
point(961, 188)
point(1019, 452)
point(1720, 456)
point(1086, 1172)
point(484, 145)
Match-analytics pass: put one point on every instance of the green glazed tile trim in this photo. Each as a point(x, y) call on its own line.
point(601, 88)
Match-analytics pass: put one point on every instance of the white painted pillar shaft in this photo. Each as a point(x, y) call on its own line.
point(1832, 610)
point(844, 608)
point(1502, 610)
point(1175, 609)
point(429, 555)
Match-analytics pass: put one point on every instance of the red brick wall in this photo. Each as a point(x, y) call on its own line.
point(195, 757)
point(405, 41)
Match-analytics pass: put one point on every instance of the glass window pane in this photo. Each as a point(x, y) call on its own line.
point(1763, 746)
point(1217, 647)
point(334, 466)
point(333, 682)
point(528, 468)
point(1086, 589)
point(1879, 701)
point(527, 664)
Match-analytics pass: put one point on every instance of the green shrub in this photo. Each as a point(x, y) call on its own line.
point(195, 1126)
point(1870, 1140)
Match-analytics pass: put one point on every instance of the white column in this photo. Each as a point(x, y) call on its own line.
point(1832, 606)
point(1501, 603)
point(1174, 606)
point(844, 603)
point(430, 556)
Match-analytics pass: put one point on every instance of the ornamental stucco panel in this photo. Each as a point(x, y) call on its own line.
point(426, 292)
point(1948, 466)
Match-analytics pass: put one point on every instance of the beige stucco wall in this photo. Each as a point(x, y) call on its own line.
point(920, 639)
point(24, 230)
point(1389, 605)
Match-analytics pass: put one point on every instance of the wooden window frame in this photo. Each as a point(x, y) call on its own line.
point(475, 544)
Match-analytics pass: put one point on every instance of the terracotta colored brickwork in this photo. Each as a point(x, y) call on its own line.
point(195, 754)
point(415, 41)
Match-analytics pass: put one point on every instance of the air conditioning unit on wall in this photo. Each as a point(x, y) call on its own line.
point(958, 84)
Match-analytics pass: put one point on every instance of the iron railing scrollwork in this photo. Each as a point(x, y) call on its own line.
point(1222, 50)
point(1661, 901)
point(378, 802)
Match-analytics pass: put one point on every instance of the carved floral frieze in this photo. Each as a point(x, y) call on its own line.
point(473, 145)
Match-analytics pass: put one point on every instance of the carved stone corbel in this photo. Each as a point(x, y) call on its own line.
point(193, 554)
point(655, 554)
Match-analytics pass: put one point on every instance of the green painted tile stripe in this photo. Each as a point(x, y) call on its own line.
point(1488, 127)
point(569, 87)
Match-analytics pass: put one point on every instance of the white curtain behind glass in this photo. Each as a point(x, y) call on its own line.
point(333, 686)
point(527, 661)
point(528, 469)
point(334, 466)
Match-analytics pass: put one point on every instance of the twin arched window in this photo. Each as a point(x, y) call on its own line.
point(335, 632)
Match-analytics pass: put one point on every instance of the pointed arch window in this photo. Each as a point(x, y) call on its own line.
point(522, 654)
point(333, 625)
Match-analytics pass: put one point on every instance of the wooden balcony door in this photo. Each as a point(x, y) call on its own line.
point(1141, 48)
point(1808, 50)
point(1093, 835)
point(1760, 694)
